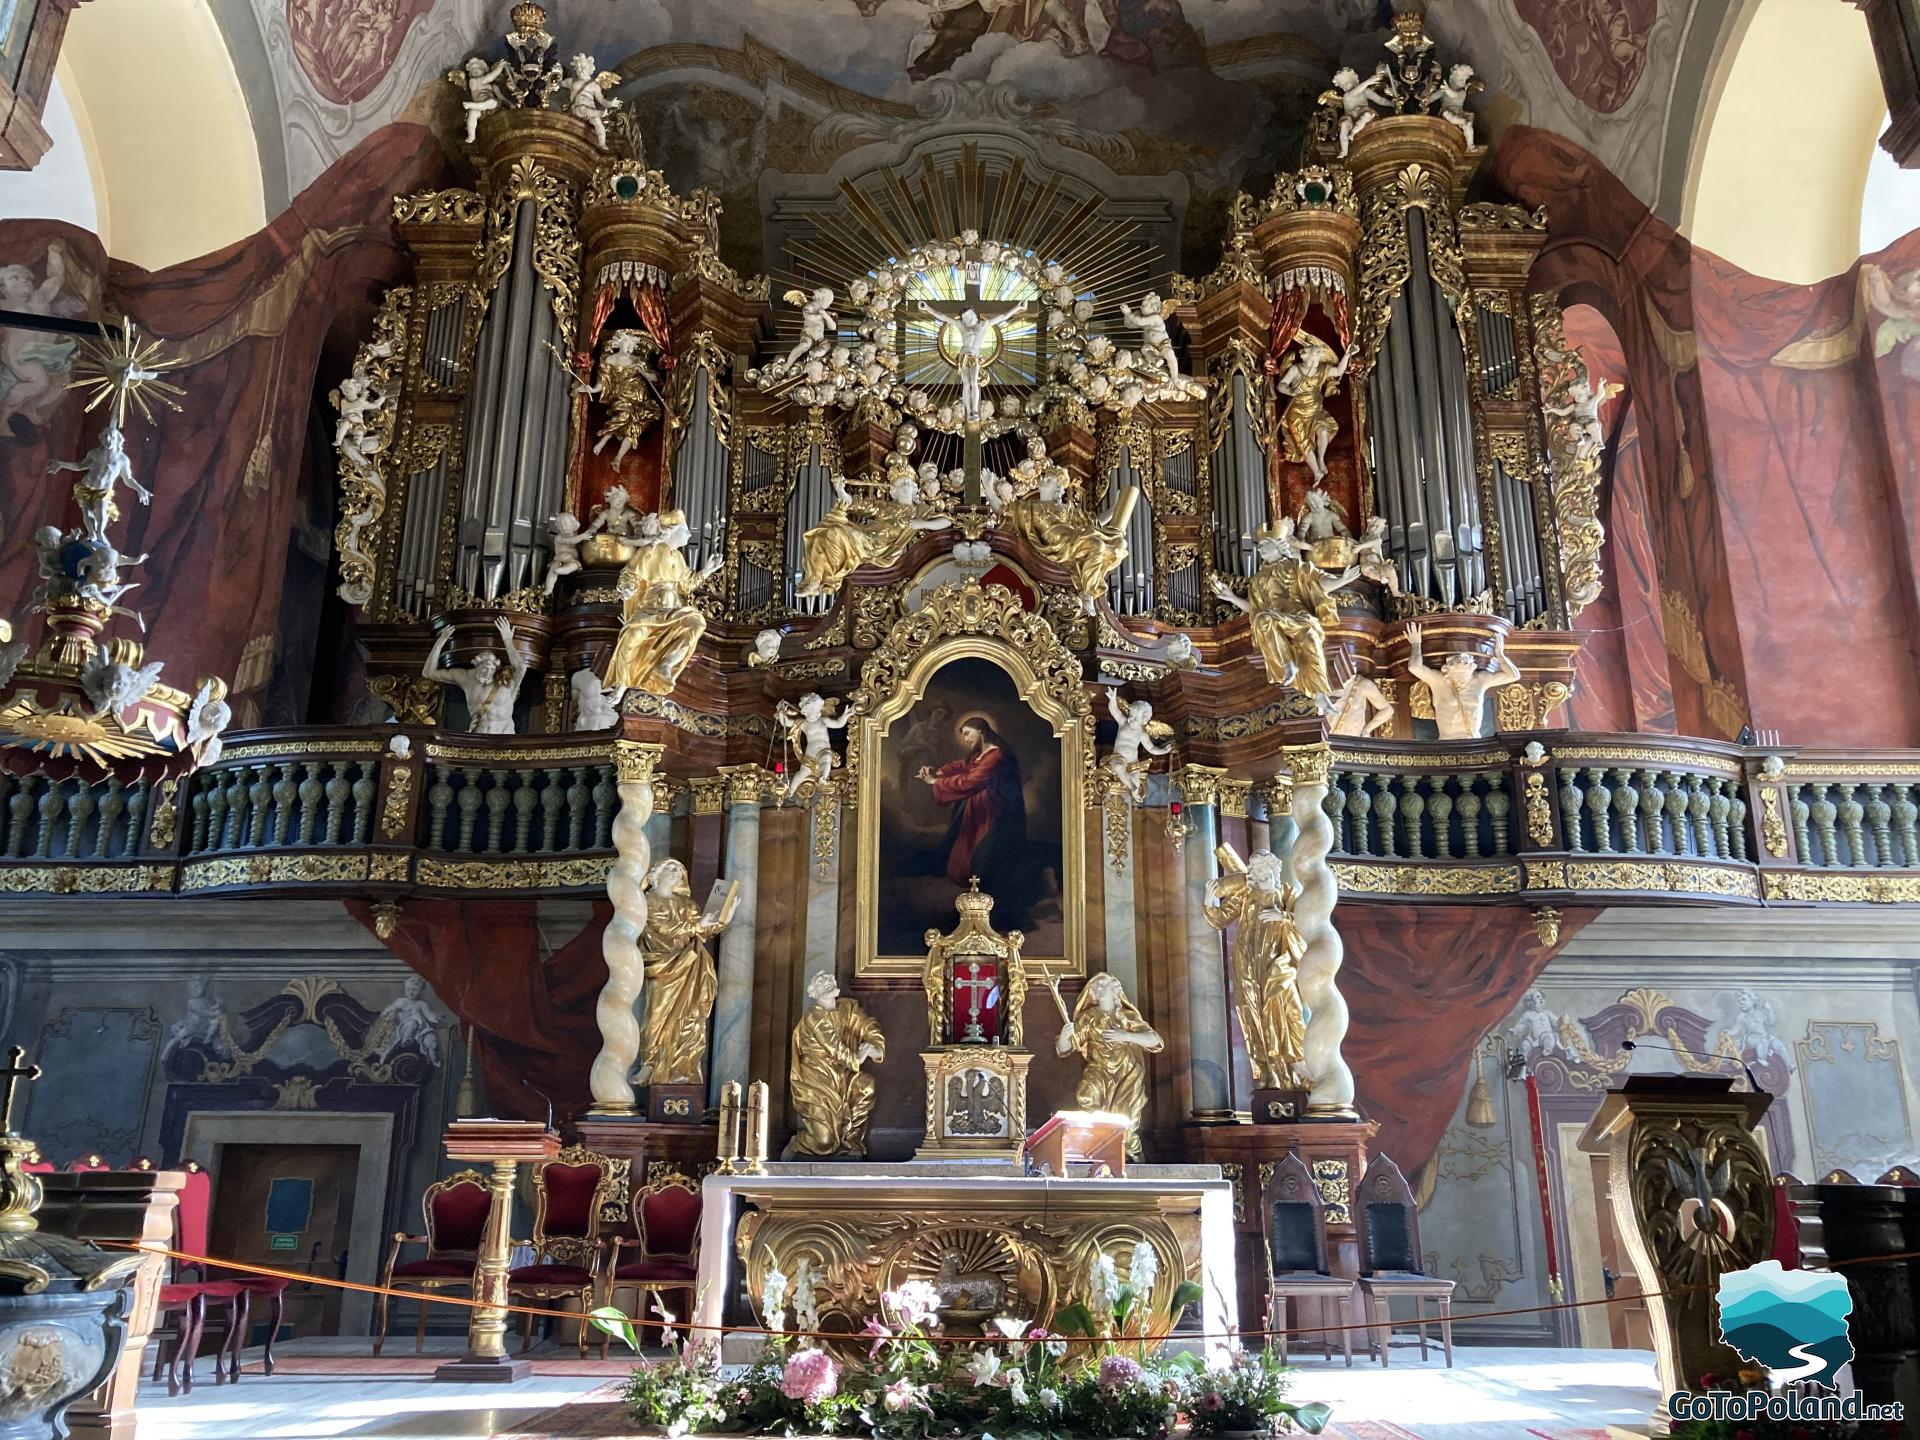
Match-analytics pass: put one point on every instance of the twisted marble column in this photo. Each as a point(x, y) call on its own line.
point(620, 943)
point(1313, 913)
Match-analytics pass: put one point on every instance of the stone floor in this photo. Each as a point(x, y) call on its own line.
point(1490, 1394)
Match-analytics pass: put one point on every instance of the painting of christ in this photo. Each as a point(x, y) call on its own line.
point(971, 788)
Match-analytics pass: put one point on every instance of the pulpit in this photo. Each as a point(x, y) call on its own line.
point(503, 1145)
point(976, 984)
point(1692, 1199)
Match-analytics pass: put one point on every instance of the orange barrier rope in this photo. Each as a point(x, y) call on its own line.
point(686, 1324)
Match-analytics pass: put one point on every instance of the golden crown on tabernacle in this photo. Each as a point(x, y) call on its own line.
point(1411, 25)
point(529, 18)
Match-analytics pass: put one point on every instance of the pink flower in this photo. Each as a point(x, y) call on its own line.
point(1210, 1401)
point(915, 1303)
point(1117, 1372)
point(902, 1395)
point(810, 1377)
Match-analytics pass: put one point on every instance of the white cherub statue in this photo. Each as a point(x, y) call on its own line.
point(565, 529)
point(1582, 407)
point(208, 717)
point(816, 322)
point(1138, 732)
point(1151, 321)
point(1460, 83)
point(115, 687)
point(1536, 1030)
point(1371, 556)
point(587, 98)
point(766, 648)
point(807, 725)
point(1356, 99)
point(1321, 517)
point(1180, 652)
point(593, 707)
point(482, 98)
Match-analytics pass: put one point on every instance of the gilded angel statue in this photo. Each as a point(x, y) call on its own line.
point(625, 386)
point(1253, 895)
point(659, 623)
point(841, 544)
point(1088, 549)
point(1307, 427)
point(1290, 606)
point(681, 979)
point(1138, 732)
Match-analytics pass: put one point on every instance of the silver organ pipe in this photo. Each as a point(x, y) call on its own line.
point(1130, 591)
point(417, 584)
point(1179, 472)
point(517, 417)
point(1239, 471)
point(440, 352)
point(1499, 363)
point(700, 464)
point(811, 497)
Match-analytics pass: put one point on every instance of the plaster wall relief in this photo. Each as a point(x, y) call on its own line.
point(1855, 1096)
point(100, 1065)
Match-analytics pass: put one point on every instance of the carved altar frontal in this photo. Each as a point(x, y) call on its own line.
point(995, 1245)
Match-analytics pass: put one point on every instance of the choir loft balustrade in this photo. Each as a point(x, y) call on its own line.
point(1542, 818)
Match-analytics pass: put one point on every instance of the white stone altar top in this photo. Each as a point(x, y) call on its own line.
point(1156, 1190)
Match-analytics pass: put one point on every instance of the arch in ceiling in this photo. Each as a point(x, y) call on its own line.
point(173, 148)
point(1791, 112)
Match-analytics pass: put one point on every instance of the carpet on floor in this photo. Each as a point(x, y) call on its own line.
point(600, 1415)
point(423, 1366)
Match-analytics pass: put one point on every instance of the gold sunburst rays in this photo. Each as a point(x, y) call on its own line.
point(125, 367)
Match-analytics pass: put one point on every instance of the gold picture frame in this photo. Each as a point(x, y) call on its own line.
point(984, 622)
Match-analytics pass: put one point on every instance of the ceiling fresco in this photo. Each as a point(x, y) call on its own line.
point(1201, 97)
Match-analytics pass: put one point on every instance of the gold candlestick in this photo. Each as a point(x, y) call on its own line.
point(728, 1150)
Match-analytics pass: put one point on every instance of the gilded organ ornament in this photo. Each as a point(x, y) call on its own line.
point(1253, 895)
point(680, 977)
point(832, 1095)
point(1112, 1038)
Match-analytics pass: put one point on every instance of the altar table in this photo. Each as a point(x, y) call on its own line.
point(997, 1242)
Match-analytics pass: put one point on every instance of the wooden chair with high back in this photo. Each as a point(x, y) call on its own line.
point(666, 1218)
point(1390, 1263)
point(185, 1306)
point(1297, 1256)
point(568, 1192)
point(454, 1213)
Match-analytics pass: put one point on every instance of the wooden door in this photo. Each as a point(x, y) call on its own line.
point(289, 1207)
point(1629, 1326)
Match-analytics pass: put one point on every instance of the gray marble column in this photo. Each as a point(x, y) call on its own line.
point(733, 1007)
point(1209, 1058)
point(824, 843)
point(1117, 819)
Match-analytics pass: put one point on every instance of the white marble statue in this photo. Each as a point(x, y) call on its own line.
point(1358, 707)
point(1459, 687)
point(489, 687)
point(807, 725)
point(1151, 321)
point(208, 718)
point(816, 323)
point(615, 516)
point(1180, 652)
point(482, 98)
point(766, 649)
point(1536, 1031)
point(1321, 517)
point(1139, 732)
point(1753, 1029)
point(972, 326)
point(200, 1026)
point(1371, 556)
point(593, 705)
point(12, 652)
point(587, 98)
point(1459, 84)
point(1356, 99)
point(1582, 408)
point(106, 465)
point(115, 688)
point(408, 1020)
point(565, 529)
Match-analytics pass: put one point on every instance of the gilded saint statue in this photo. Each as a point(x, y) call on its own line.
point(841, 543)
point(1254, 895)
point(1307, 427)
point(659, 623)
point(625, 386)
point(832, 1098)
point(1110, 1034)
point(1088, 549)
point(1290, 603)
point(681, 979)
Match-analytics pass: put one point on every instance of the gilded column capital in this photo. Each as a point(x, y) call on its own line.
point(1200, 784)
point(1310, 764)
point(1234, 795)
point(634, 760)
point(746, 784)
point(709, 794)
point(1277, 791)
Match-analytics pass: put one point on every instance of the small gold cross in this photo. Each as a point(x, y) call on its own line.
point(15, 1071)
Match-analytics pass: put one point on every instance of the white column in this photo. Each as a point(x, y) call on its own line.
point(1116, 848)
point(620, 943)
point(1313, 912)
point(823, 884)
point(733, 1005)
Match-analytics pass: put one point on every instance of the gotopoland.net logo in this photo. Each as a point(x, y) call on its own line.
point(1794, 1323)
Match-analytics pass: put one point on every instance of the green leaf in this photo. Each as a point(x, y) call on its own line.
point(1311, 1418)
point(1076, 1319)
point(613, 1320)
point(1186, 1293)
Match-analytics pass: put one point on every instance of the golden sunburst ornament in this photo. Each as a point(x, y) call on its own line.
point(122, 367)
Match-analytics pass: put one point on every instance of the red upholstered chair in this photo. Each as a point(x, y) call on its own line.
point(454, 1211)
point(568, 1192)
point(666, 1217)
point(185, 1305)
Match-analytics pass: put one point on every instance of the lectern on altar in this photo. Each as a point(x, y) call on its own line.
point(976, 986)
